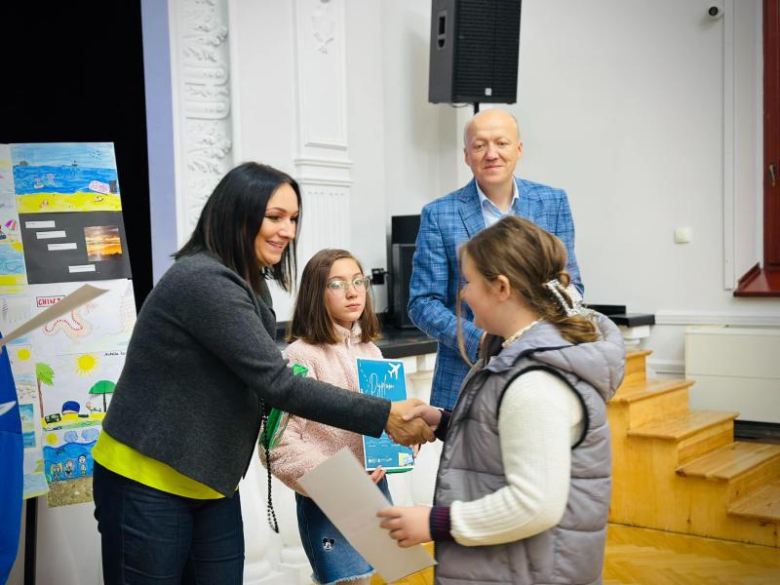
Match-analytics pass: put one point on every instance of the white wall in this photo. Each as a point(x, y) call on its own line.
point(647, 113)
point(624, 104)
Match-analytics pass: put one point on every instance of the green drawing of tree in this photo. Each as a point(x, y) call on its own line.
point(103, 387)
point(43, 375)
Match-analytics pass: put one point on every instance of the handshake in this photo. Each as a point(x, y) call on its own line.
point(412, 422)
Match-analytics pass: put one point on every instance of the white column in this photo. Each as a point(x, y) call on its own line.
point(322, 164)
point(200, 62)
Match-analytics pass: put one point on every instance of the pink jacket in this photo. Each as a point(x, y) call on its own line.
point(306, 444)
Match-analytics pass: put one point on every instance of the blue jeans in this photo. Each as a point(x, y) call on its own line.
point(331, 556)
point(150, 536)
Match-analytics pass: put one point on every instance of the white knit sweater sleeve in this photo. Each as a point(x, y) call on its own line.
point(539, 421)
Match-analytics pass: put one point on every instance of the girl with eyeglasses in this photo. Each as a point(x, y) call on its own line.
point(333, 323)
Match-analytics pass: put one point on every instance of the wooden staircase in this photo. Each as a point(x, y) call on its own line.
point(679, 470)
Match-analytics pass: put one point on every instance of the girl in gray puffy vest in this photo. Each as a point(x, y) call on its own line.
point(523, 487)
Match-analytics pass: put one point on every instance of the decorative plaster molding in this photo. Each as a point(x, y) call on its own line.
point(201, 62)
point(321, 182)
point(706, 318)
point(330, 172)
point(321, 68)
point(323, 25)
point(338, 163)
point(322, 165)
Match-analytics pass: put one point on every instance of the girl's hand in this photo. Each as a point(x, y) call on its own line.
point(415, 451)
point(407, 525)
point(377, 475)
point(430, 414)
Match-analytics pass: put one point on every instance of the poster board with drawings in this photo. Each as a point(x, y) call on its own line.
point(61, 215)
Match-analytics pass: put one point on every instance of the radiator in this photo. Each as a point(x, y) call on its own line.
point(735, 369)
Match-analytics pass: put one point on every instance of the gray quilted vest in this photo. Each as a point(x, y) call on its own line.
point(572, 552)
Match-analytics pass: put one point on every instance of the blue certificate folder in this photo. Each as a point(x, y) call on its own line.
point(385, 379)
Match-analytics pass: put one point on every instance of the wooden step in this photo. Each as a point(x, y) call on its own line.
point(636, 367)
point(649, 401)
point(649, 389)
point(682, 427)
point(731, 461)
point(762, 504)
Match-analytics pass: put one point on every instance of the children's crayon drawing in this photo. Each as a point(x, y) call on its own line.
point(6, 179)
point(102, 325)
point(76, 387)
point(12, 271)
point(65, 177)
point(68, 463)
point(15, 310)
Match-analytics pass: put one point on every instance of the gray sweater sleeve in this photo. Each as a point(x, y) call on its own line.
point(220, 311)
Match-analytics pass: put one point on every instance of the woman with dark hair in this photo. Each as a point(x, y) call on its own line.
point(201, 370)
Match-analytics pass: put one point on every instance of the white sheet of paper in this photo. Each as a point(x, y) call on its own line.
point(81, 295)
point(342, 489)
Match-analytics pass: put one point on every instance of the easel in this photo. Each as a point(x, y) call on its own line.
point(30, 540)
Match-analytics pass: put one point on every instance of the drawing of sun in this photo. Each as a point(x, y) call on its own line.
point(85, 364)
point(23, 354)
point(51, 438)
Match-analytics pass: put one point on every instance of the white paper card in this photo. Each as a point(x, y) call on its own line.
point(342, 488)
point(39, 225)
point(81, 268)
point(82, 295)
point(56, 247)
point(50, 235)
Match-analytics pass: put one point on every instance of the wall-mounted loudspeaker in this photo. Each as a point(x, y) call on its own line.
point(474, 51)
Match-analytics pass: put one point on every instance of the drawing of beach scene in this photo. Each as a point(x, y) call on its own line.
point(12, 264)
point(6, 178)
point(26, 412)
point(34, 480)
point(15, 309)
point(12, 272)
point(65, 177)
point(77, 387)
point(68, 463)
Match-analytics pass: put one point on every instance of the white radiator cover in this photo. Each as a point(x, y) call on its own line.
point(735, 369)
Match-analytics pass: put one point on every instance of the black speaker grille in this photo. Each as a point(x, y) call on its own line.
point(487, 47)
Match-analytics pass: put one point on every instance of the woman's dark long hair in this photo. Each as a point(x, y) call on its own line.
point(231, 219)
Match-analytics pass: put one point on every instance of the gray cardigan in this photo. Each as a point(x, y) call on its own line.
point(201, 359)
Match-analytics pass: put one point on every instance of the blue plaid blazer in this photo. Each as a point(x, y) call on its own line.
point(445, 224)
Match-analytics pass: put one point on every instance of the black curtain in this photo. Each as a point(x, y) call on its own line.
point(73, 72)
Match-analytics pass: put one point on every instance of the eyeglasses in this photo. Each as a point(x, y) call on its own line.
point(360, 283)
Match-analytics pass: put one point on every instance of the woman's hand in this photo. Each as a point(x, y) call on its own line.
point(377, 475)
point(407, 525)
point(407, 431)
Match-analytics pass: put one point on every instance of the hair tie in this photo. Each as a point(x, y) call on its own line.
point(575, 309)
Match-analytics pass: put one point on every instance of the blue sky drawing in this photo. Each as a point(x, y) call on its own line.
point(86, 154)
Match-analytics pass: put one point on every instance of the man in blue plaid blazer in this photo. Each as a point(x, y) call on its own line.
point(492, 148)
